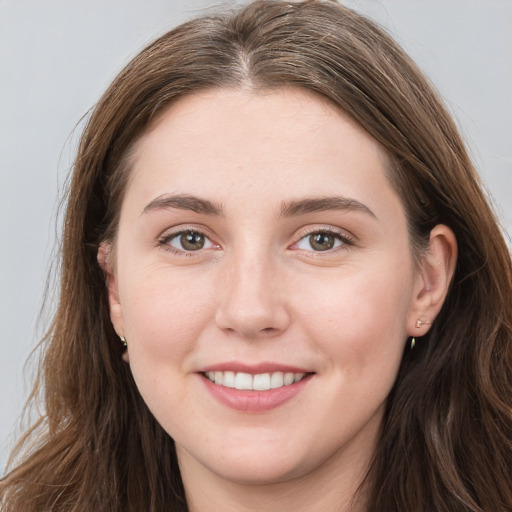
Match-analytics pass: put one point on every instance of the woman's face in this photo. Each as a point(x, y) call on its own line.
point(260, 243)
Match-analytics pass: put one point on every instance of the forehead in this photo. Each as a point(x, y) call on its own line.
point(282, 142)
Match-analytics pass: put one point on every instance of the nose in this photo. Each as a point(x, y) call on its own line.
point(252, 298)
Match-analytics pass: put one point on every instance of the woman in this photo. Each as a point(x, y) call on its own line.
point(282, 287)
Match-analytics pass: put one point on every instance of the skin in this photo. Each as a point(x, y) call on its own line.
point(259, 292)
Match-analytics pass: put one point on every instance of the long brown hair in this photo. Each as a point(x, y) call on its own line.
point(446, 442)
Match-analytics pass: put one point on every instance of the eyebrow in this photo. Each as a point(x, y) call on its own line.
point(288, 209)
point(184, 202)
point(304, 206)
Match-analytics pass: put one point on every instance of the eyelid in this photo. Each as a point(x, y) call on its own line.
point(324, 228)
point(347, 238)
point(170, 233)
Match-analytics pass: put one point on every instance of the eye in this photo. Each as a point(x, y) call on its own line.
point(322, 241)
point(188, 241)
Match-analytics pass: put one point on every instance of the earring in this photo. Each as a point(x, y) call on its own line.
point(123, 341)
point(413, 343)
point(419, 323)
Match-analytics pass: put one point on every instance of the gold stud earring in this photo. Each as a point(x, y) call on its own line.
point(123, 341)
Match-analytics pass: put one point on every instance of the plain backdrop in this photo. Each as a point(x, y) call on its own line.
point(57, 57)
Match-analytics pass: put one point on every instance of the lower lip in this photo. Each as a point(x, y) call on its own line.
point(255, 401)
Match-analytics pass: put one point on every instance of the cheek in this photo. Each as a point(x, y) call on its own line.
point(359, 320)
point(164, 317)
point(165, 313)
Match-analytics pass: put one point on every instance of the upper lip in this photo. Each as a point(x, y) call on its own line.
point(255, 369)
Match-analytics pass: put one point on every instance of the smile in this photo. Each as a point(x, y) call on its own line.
point(251, 392)
point(257, 382)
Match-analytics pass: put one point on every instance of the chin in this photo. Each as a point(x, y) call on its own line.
point(259, 472)
point(253, 464)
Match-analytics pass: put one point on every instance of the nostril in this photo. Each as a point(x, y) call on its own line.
point(251, 317)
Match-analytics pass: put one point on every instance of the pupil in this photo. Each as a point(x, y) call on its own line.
point(192, 241)
point(321, 241)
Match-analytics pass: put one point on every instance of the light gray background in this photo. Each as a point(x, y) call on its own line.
point(57, 57)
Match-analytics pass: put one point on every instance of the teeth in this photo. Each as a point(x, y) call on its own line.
point(243, 381)
point(258, 382)
point(229, 379)
point(289, 378)
point(276, 380)
point(261, 382)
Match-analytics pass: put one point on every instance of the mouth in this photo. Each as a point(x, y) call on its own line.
point(254, 382)
point(255, 387)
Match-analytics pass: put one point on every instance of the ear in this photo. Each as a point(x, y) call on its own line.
point(105, 257)
point(433, 280)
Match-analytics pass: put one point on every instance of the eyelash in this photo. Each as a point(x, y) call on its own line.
point(164, 241)
point(344, 238)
